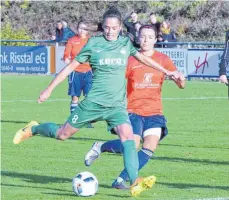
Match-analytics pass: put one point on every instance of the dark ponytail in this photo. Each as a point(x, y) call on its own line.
point(112, 12)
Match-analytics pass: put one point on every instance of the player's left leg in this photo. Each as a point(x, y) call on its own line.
point(144, 155)
point(125, 134)
point(130, 157)
point(154, 130)
point(115, 146)
point(119, 120)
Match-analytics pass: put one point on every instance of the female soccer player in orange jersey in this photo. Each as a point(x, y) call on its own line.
point(144, 104)
point(81, 78)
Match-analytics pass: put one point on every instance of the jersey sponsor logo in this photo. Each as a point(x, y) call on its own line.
point(123, 51)
point(76, 42)
point(148, 78)
point(147, 82)
point(112, 61)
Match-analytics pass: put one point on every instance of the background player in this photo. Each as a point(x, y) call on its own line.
point(81, 78)
point(225, 63)
point(144, 104)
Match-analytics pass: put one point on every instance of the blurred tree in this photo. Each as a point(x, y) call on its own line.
point(192, 20)
point(20, 34)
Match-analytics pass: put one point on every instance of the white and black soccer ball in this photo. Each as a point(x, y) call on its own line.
point(85, 184)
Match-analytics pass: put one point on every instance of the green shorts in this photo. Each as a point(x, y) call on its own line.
point(88, 111)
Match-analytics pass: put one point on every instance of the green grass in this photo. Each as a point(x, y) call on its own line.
point(191, 163)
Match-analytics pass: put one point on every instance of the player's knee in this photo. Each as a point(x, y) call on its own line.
point(125, 132)
point(63, 136)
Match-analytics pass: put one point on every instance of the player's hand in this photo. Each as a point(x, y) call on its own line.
point(223, 79)
point(174, 74)
point(44, 95)
point(180, 77)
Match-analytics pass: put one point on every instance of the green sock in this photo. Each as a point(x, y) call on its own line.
point(130, 157)
point(46, 129)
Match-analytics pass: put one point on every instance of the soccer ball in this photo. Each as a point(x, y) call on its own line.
point(85, 184)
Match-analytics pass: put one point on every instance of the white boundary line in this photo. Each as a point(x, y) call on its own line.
point(217, 198)
point(166, 98)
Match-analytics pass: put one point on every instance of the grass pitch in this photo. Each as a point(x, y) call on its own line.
point(192, 162)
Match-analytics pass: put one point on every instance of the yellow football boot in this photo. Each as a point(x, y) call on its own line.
point(141, 184)
point(24, 133)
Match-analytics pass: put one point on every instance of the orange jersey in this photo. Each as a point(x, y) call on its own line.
point(144, 85)
point(73, 47)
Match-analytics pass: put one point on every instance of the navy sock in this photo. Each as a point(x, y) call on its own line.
point(73, 106)
point(144, 155)
point(113, 146)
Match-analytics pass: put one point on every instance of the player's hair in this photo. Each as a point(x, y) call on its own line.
point(112, 12)
point(152, 27)
point(91, 26)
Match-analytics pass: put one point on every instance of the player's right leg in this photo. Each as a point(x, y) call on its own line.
point(51, 130)
point(78, 119)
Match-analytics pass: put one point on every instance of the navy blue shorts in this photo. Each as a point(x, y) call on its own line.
point(143, 123)
point(78, 81)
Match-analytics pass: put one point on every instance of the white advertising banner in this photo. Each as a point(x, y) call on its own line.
point(203, 62)
point(59, 54)
point(178, 56)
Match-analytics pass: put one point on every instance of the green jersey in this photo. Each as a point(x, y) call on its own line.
point(108, 60)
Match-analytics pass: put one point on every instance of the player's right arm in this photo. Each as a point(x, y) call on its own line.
point(57, 80)
point(180, 80)
point(126, 22)
point(82, 57)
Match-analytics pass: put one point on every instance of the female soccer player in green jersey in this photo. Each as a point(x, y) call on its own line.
point(107, 56)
